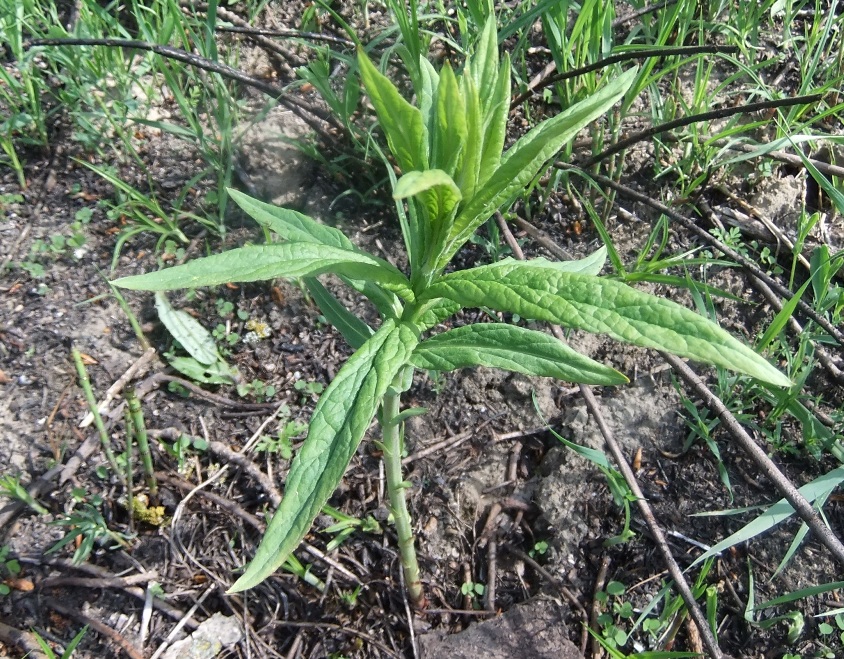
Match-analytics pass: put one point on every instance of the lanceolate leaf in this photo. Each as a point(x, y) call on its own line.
point(260, 262)
point(290, 225)
point(437, 192)
point(353, 329)
point(603, 306)
point(435, 312)
point(590, 265)
point(526, 158)
point(513, 349)
point(450, 125)
point(340, 420)
point(401, 121)
point(295, 227)
point(195, 339)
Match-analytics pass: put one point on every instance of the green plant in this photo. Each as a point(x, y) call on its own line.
point(282, 443)
point(88, 525)
point(615, 607)
point(11, 487)
point(472, 590)
point(179, 449)
point(9, 567)
point(69, 649)
point(454, 177)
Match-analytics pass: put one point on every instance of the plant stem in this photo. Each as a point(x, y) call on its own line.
point(391, 436)
point(85, 383)
point(140, 429)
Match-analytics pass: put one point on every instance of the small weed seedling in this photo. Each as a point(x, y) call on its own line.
point(454, 177)
point(69, 649)
point(9, 568)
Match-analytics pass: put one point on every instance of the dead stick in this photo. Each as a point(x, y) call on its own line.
point(600, 582)
point(140, 364)
point(100, 573)
point(22, 639)
point(96, 625)
point(644, 508)
point(786, 487)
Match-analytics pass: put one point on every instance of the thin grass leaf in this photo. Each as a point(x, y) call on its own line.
point(354, 330)
point(800, 594)
point(777, 513)
point(781, 319)
point(339, 422)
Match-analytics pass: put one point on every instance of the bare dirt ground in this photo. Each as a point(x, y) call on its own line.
point(496, 499)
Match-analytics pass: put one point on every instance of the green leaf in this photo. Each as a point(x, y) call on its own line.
point(513, 349)
point(468, 175)
point(415, 182)
point(800, 594)
point(526, 158)
point(435, 312)
point(590, 265)
point(355, 331)
point(495, 112)
point(401, 122)
point(437, 192)
point(290, 225)
point(261, 262)
point(295, 227)
point(602, 306)
point(781, 319)
point(449, 131)
point(219, 372)
point(777, 513)
point(340, 420)
point(193, 337)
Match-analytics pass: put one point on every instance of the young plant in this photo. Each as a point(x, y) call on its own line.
point(454, 177)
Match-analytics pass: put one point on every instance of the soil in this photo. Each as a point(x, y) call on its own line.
point(503, 494)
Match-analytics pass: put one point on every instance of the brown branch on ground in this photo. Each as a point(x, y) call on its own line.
point(667, 51)
point(823, 355)
point(275, 50)
point(230, 456)
point(720, 113)
point(103, 574)
point(96, 625)
point(804, 509)
point(302, 109)
point(155, 380)
point(23, 640)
